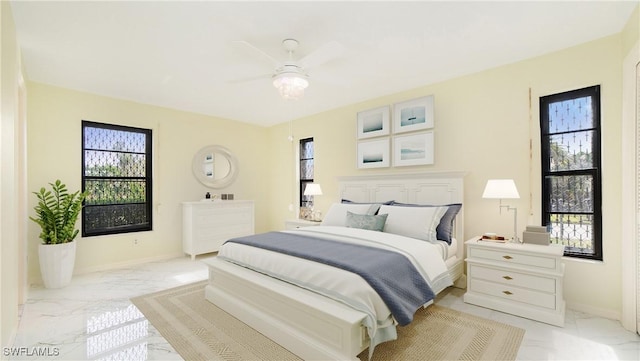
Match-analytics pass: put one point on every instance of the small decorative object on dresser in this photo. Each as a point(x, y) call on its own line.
point(536, 235)
point(299, 223)
point(521, 279)
point(207, 225)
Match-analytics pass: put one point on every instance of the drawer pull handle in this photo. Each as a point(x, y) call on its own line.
point(507, 293)
point(507, 278)
point(507, 257)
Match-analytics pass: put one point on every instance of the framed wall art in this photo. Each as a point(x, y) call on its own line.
point(374, 153)
point(373, 122)
point(413, 149)
point(415, 114)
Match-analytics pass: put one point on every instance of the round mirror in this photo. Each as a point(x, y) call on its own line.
point(215, 166)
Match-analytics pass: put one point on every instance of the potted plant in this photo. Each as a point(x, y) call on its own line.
point(56, 213)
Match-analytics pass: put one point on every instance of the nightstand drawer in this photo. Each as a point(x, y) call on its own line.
point(509, 257)
point(511, 278)
point(516, 294)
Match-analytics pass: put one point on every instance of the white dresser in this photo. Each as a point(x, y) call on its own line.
point(206, 225)
point(520, 279)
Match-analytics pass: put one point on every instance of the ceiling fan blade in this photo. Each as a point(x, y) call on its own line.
point(250, 78)
point(260, 53)
point(323, 54)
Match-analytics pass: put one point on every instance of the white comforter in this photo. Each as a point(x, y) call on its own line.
point(341, 285)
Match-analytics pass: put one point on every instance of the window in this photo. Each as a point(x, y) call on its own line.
point(571, 172)
point(306, 170)
point(116, 173)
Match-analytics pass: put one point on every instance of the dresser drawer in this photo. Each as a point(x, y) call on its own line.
point(509, 257)
point(513, 278)
point(223, 233)
point(223, 220)
point(207, 245)
point(221, 216)
point(515, 294)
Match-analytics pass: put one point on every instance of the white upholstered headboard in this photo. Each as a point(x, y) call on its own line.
point(418, 188)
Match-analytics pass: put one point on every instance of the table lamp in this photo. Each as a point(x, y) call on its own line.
point(504, 189)
point(312, 189)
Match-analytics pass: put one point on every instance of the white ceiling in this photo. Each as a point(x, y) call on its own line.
point(182, 55)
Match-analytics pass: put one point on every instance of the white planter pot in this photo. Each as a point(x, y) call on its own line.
point(56, 263)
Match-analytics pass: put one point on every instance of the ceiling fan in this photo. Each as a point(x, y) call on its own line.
point(290, 76)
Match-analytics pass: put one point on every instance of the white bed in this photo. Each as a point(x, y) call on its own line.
point(314, 326)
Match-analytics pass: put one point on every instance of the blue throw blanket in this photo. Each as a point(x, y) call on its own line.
point(390, 274)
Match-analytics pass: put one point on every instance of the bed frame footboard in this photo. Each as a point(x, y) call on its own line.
point(309, 325)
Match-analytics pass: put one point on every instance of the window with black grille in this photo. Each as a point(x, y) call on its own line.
point(571, 171)
point(116, 174)
point(306, 170)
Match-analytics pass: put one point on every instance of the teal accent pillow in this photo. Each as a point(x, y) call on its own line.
point(365, 221)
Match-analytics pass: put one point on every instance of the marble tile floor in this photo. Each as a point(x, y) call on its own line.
point(93, 319)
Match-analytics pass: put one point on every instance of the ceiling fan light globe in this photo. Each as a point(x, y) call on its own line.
point(290, 86)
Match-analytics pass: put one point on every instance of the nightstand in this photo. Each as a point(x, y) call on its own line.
point(298, 223)
point(521, 279)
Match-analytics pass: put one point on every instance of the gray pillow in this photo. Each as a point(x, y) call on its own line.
point(364, 221)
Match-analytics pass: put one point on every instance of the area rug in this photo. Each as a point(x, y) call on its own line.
point(198, 330)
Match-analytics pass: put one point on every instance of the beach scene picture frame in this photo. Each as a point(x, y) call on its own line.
point(413, 149)
point(413, 115)
point(373, 122)
point(373, 153)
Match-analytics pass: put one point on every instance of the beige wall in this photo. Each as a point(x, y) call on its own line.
point(11, 202)
point(54, 143)
point(629, 262)
point(483, 127)
point(631, 31)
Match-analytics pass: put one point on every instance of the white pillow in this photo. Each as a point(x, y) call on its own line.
point(414, 222)
point(337, 214)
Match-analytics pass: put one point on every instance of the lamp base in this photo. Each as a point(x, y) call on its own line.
point(515, 238)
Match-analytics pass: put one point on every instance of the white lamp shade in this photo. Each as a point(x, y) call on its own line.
point(500, 188)
point(313, 189)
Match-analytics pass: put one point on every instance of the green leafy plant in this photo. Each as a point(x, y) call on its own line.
point(57, 212)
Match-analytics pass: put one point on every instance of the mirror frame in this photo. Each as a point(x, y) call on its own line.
point(196, 166)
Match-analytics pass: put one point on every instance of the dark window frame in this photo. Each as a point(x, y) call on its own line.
point(595, 172)
point(148, 203)
point(305, 201)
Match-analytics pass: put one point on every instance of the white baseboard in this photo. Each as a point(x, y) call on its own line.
point(134, 262)
point(595, 311)
point(14, 330)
